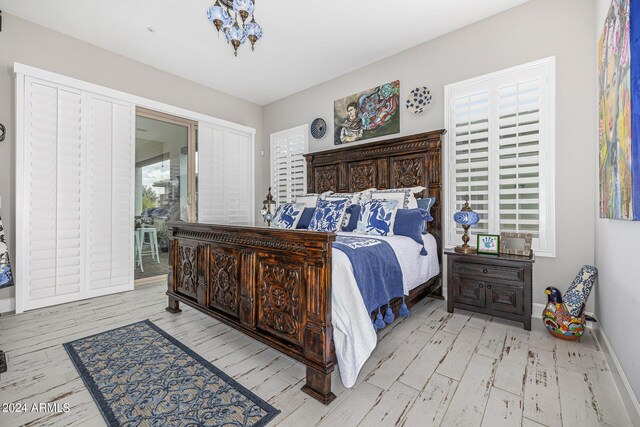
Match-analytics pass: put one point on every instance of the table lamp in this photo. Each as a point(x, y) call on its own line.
point(267, 215)
point(466, 217)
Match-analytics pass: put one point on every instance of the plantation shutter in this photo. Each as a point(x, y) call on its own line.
point(52, 270)
point(471, 137)
point(225, 175)
point(74, 228)
point(110, 213)
point(288, 165)
point(501, 153)
point(519, 156)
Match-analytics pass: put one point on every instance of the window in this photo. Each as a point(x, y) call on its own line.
point(500, 152)
point(288, 166)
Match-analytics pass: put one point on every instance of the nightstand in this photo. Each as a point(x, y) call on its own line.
point(498, 286)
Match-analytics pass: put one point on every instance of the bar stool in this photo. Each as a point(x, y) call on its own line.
point(153, 242)
point(137, 249)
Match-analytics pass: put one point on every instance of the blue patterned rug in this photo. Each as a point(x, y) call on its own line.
point(139, 375)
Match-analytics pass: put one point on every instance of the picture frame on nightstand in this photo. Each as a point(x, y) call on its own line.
point(488, 244)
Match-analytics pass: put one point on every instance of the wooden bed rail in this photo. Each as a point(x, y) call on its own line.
point(274, 285)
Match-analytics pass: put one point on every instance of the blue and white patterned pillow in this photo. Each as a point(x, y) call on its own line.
point(288, 215)
point(404, 196)
point(576, 296)
point(328, 215)
point(377, 217)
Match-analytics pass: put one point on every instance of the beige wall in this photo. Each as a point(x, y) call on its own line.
point(535, 30)
point(27, 43)
point(616, 253)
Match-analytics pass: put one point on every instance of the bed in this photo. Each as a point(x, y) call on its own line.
point(284, 287)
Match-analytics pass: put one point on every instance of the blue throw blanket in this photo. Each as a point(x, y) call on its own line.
point(377, 273)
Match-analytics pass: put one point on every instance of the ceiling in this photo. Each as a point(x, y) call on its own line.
point(305, 42)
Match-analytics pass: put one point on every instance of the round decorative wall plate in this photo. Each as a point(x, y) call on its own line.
point(318, 128)
point(418, 100)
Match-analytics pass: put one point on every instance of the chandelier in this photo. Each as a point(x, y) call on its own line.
point(220, 15)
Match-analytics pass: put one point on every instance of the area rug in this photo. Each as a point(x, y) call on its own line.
point(140, 375)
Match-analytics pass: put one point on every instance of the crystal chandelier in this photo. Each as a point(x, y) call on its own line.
point(220, 15)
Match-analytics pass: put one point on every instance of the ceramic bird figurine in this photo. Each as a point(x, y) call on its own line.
point(564, 317)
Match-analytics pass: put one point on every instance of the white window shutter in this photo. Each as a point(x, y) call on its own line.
point(288, 165)
point(225, 175)
point(500, 153)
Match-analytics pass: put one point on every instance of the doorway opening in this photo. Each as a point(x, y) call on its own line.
point(165, 187)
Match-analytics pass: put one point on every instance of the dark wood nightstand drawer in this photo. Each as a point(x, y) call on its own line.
point(509, 299)
point(469, 291)
point(501, 272)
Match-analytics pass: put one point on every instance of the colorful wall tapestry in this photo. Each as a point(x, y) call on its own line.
point(6, 279)
point(619, 102)
point(367, 114)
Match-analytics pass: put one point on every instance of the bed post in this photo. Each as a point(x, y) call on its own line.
point(173, 305)
point(318, 336)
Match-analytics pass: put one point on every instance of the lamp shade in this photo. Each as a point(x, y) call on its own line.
point(466, 217)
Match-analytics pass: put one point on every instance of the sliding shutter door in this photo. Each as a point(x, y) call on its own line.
point(110, 215)
point(74, 224)
point(225, 175)
point(52, 214)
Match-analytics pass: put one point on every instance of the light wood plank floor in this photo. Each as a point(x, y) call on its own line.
point(430, 369)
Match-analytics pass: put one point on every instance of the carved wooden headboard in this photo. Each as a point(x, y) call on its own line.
point(408, 161)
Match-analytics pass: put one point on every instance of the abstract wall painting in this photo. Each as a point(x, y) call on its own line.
point(6, 279)
point(619, 105)
point(367, 114)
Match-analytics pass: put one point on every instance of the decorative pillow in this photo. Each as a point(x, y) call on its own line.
point(288, 215)
point(311, 200)
point(409, 223)
point(305, 218)
point(328, 215)
point(576, 296)
point(354, 214)
point(426, 204)
point(405, 196)
point(377, 217)
point(354, 199)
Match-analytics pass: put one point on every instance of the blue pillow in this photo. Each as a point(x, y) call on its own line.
point(305, 219)
point(426, 204)
point(328, 215)
point(409, 223)
point(288, 215)
point(354, 211)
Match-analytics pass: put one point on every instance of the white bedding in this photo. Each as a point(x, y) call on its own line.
point(353, 333)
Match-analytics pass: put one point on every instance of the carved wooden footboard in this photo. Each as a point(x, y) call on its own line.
point(274, 285)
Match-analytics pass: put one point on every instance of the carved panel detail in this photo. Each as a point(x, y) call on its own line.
point(224, 282)
point(187, 271)
point(239, 239)
point(326, 179)
point(362, 176)
point(280, 289)
point(408, 172)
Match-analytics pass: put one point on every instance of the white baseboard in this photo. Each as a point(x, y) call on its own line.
point(630, 400)
point(7, 305)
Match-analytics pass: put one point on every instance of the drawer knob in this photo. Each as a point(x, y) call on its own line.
point(481, 285)
point(488, 286)
point(485, 271)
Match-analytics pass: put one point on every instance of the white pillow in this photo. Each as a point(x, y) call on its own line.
point(405, 196)
point(311, 200)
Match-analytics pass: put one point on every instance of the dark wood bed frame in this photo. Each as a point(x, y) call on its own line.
point(275, 285)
